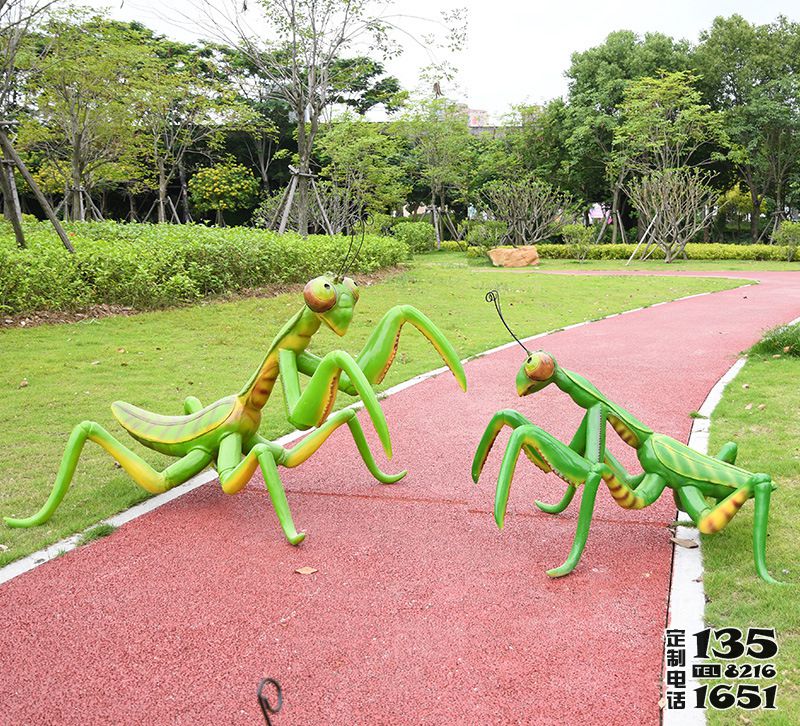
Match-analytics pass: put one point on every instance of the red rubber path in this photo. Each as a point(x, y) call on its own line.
point(422, 612)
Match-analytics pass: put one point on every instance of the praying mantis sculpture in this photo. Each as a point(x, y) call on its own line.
point(226, 431)
point(586, 462)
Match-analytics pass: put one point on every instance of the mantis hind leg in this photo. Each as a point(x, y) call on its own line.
point(140, 471)
point(763, 491)
point(728, 453)
point(712, 519)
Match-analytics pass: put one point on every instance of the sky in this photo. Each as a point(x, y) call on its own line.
point(516, 52)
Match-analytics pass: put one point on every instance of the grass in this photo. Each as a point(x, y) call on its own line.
point(97, 532)
point(769, 441)
point(155, 360)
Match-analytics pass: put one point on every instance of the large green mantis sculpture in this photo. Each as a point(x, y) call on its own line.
point(586, 462)
point(226, 431)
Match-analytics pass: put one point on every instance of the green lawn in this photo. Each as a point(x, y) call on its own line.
point(156, 359)
point(769, 441)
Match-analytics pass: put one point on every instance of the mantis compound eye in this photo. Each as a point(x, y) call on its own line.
point(320, 294)
point(540, 366)
point(352, 285)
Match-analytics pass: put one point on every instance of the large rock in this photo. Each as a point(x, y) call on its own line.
point(522, 256)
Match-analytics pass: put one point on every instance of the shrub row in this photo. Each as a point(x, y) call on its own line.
point(150, 266)
point(694, 251)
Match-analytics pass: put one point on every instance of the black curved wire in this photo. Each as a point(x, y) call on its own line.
point(346, 268)
point(266, 707)
point(494, 296)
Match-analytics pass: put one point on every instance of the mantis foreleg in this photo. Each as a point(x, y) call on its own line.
point(140, 471)
point(312, 406)
point(379, 351)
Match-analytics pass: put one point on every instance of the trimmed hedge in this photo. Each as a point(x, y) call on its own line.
point(146, 266)
point(694, 251)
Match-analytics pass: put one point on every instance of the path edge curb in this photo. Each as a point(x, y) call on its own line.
point(687, 598)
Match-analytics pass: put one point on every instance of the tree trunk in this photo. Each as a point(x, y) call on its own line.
point(131, 208)
point(615, 208)
point(755, 199)
point(11, 204)
point(184, 201)
point(78, 212)
point(436, 222)
point(303, 152)
point(162, 193)
point(220, 218)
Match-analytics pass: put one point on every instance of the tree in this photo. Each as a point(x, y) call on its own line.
point(178, 109)
point(598, 78)
point(82, 95)
point(18, 19)
point(532, 209)
point(751, 74)
point(364, 158)
point(224, 187)
point(675, 204)
point(440, 144)
point(302, 60)
point(664, 125)
point(538, 137)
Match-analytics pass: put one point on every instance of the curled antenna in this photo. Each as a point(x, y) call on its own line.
point(343, 266)
point(347, 264)
point(494, 296)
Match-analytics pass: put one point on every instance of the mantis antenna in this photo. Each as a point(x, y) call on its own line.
point(494, 296)
point(347, 264)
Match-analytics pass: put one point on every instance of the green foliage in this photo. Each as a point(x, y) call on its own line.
point(788, 235)
point(486, 235)
point(364, 158)
point(783, 340)
point(579, 238)
point(694, 251)
point(151, 266)
point(664, 123)
point(223, 187)
point(438, 134)
point(82, 87)
point(418, 236)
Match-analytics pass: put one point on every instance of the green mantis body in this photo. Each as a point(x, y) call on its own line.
point(694, 478)
point(225, 433)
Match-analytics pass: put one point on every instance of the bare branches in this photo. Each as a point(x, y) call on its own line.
point(675, 204)
point(532, 209)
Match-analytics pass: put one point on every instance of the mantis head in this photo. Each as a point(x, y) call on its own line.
point(538, 371)
point(332, 299)
point(539, 368)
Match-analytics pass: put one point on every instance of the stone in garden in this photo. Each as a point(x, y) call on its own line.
point(521, 256)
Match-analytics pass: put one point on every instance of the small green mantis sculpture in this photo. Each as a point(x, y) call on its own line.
point(666, 463)
point(226, 431)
